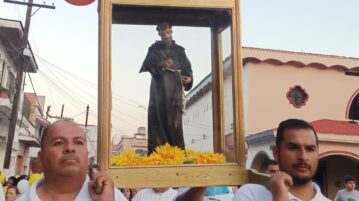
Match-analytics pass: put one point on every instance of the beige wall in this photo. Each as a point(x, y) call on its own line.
point(329, 92)
point(336, 147)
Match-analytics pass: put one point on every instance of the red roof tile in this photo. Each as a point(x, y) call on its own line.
point(336, 127)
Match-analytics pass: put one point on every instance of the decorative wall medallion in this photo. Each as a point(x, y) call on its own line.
point(297, 96)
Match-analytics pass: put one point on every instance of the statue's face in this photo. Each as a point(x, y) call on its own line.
point(166, 35)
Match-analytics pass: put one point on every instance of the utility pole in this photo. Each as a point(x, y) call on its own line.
point(62, 111)
point(19, 78)
point(87, 115)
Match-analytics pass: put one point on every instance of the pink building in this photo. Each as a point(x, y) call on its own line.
point(278, 85)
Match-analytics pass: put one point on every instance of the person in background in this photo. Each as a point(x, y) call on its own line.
point(348, 193)
point(11, 181)
point(155, 194)
point(36, 170)
point(270, 167)
point(11, 193)
point(134, 191)
point(127, 193)
point(234, 189)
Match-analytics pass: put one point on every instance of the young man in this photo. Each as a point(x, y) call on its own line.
point(36, 170)
point(348, 193)
point(64, 158)
point(297, 154)
point(171, 73)
point(270, 167)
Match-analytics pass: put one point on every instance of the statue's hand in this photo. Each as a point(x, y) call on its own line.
point(168, 63)
point(186, 79)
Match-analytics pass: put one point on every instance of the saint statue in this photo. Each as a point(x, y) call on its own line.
point(171, 74)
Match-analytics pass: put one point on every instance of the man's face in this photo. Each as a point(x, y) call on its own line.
point(272, 168)
point(350, 185)
point(166, 35)
point(64, 150)
point(298, 154)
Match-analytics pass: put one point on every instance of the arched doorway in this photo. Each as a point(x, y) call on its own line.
point(258, 161)
point(331, 170)
point(354, 108)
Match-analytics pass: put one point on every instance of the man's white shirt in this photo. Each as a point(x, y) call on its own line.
point(255, 192)
point(31, 195)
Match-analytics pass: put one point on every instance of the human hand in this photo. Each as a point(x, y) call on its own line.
point(186, 79)
point(279, 184)
point(101, 187)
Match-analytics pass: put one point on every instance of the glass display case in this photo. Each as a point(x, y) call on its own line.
point(170, 94)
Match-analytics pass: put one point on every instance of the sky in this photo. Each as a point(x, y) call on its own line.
point(65, 42)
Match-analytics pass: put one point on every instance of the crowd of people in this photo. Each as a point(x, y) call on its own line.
point(61, 173)
point(16, 185)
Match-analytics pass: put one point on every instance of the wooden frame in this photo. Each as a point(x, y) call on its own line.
point(184, 175)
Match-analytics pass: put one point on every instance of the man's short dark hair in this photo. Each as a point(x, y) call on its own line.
point(348, 178)
point(267, 163)
point(48, 127)
point(163, 26)
point(292, 124)
point(270, 162)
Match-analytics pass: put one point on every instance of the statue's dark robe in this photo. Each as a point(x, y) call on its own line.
point(166, 94)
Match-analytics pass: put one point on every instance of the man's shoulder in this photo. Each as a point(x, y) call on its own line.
point(256, 187)
point(341, 191)
point(144, 192)
point(319, 196)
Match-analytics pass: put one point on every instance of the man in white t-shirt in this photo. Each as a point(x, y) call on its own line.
point(297, 154)
point(155, 194)
point(64, 158)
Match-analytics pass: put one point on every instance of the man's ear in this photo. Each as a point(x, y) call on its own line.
point(275, 151)
point(39, 156)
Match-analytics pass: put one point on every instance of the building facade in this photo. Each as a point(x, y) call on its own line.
point(13, 57)
point(322, 89)
point(137, 143)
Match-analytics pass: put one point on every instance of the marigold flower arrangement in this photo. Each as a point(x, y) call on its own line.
point(168, 155)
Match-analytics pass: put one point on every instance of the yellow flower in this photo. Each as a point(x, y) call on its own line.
point(206, 157)
point(168, 155)
point(127, 158)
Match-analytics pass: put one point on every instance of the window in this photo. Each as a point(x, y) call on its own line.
point(297, 96)
point(354, 108)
